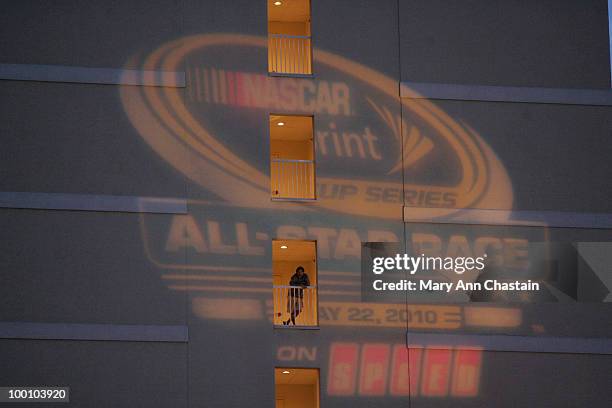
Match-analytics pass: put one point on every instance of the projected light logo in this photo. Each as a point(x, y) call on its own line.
point(378, 369)
point(211, 132)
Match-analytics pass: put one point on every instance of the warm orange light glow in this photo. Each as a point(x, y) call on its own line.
point(277, 3)
point(280, 124)
point(445, 371)
point(492, 317)
point(283, 246)
point(484, 182)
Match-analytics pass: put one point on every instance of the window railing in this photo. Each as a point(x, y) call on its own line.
point(292, 179)
point(295, 303)
point(289, 54)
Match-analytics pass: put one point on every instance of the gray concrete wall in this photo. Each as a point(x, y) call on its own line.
point(207, 270)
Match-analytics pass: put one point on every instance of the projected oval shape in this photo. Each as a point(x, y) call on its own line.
point(209, 132)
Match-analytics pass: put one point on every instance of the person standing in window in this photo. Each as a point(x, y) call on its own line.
point(295, 297)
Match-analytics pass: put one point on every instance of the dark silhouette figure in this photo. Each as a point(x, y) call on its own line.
point(295, 296)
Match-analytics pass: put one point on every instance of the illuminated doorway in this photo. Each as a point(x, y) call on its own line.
point(296, 387)
point(289, 40)
point(292, 164)
point(294, 273)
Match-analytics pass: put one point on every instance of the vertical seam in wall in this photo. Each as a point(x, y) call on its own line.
point(188, 88)
point(401, 141)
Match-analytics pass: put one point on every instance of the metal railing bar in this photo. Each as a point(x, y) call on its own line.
point(292, 161)
point(304, 37)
